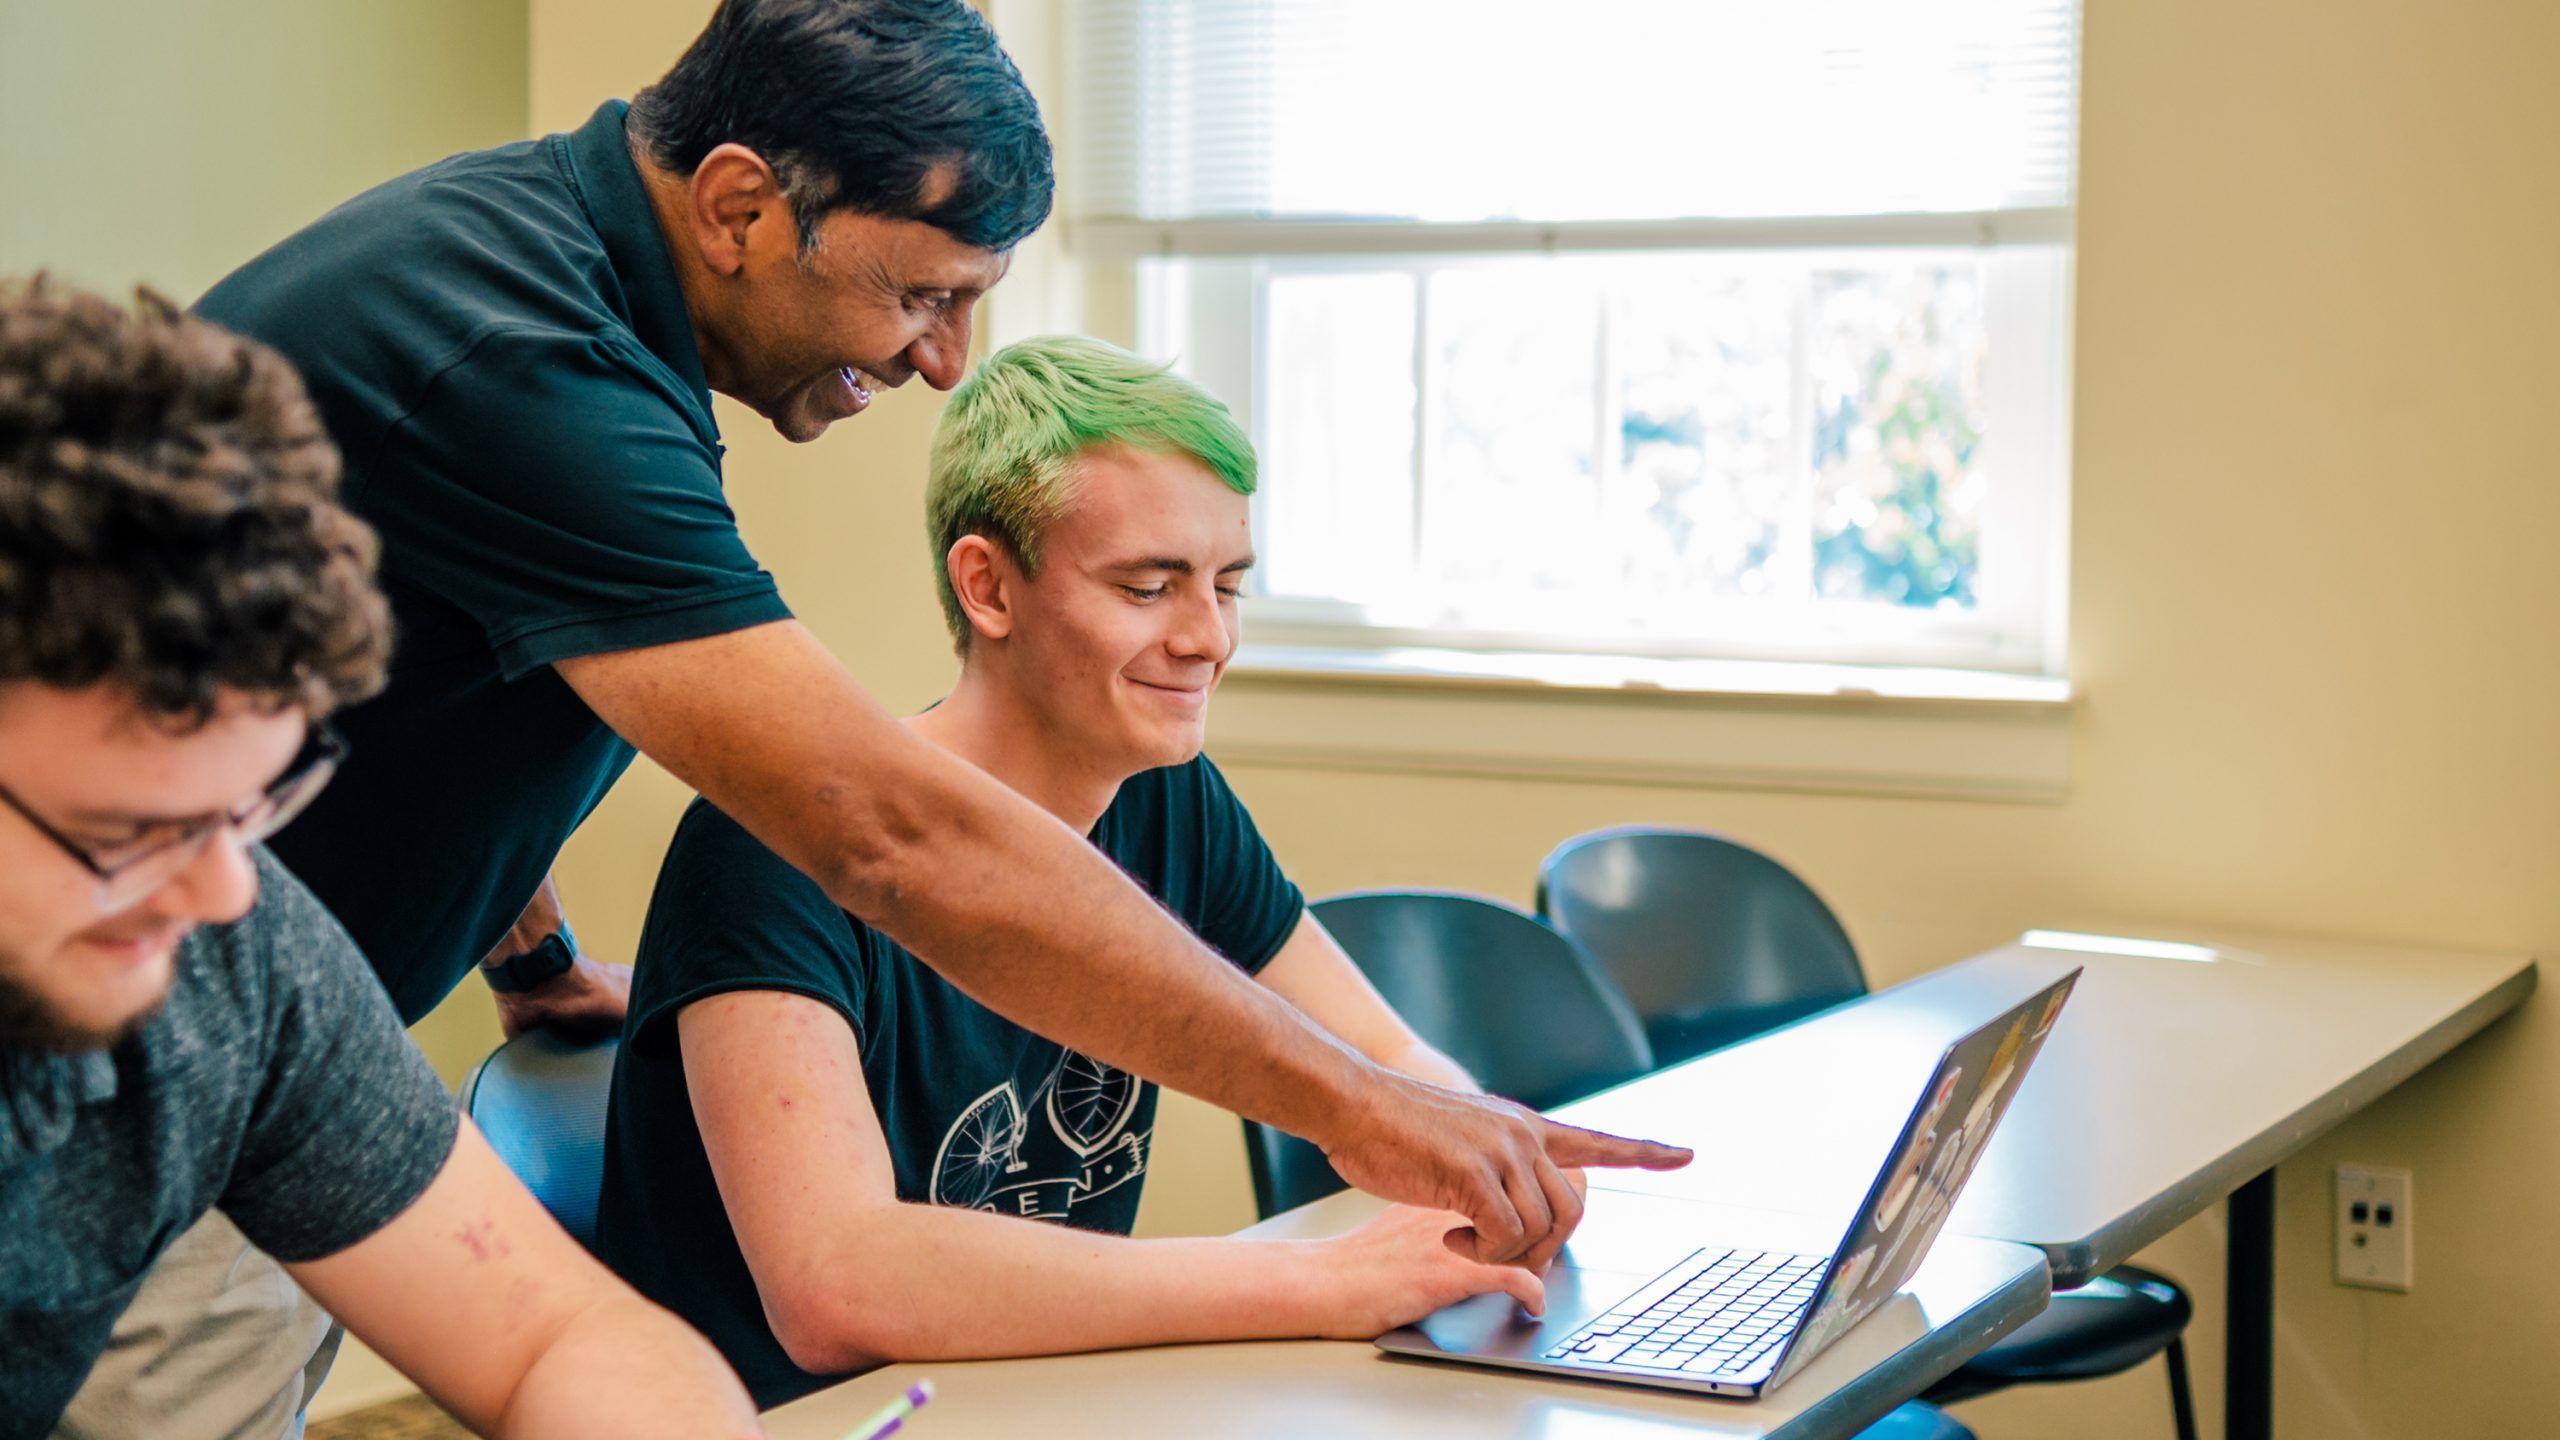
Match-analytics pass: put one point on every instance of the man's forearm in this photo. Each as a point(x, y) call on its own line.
point(1033, 922)
point(626, 1370)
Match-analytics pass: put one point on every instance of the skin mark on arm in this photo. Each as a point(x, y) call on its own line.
point(484, 1240)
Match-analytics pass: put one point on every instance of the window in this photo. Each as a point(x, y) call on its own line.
point(1639, 327)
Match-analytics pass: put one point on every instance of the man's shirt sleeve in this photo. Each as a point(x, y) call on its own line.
point(351, 1124)
point(563, 491)
point(1253, 905)
point(730, 914)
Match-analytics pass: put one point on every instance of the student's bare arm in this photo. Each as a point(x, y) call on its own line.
point(849, 1276)
point(1025, 917)
point(1312, 972)
point(475, 1294)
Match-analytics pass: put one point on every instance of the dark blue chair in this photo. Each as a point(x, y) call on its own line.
point(2112, 1323)
point(1711, 941)
point(1714, 942)
point(541, 1101)
point(1516, 1003)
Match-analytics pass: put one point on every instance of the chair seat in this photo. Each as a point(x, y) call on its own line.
point(1917, 1421)
point(2113, 1323)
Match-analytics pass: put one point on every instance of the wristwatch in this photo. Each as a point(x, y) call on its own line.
point(549, 959)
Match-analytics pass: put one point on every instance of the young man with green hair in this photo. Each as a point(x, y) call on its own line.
point(823, 1153)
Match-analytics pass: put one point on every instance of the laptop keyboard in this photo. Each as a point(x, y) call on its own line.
point(1718, 1312)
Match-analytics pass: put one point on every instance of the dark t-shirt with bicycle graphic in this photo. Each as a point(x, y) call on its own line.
point(978, 1112)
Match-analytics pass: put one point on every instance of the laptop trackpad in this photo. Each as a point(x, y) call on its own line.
point(1495, 1325)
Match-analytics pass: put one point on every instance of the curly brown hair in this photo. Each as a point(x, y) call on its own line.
point(168, 515)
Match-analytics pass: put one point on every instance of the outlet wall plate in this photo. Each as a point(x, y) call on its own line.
point(2374, 1221)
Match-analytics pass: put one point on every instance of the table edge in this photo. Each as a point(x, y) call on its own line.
point(2075, 1262)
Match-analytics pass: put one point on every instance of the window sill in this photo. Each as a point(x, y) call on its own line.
point(1834, 729)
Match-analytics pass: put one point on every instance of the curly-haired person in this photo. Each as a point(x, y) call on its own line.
point(193, 1057)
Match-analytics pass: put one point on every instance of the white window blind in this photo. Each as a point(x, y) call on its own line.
point(1221, 126)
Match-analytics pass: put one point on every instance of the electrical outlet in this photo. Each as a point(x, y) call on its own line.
point(2373, 1227)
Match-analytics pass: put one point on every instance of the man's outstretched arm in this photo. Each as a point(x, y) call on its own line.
point(1028, 919)
point(478, 1296)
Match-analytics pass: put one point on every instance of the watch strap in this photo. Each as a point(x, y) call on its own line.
point(549, 959)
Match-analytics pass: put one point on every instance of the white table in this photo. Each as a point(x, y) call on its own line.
point(1969, 1294)
point(2168, 1085)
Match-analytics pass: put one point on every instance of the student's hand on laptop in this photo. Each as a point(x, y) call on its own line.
point(1394, 1270)
point(1496, 1162)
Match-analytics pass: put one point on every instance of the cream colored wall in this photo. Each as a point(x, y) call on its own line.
point(167, 141)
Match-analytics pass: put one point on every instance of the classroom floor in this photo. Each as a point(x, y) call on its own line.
point(415, 1418)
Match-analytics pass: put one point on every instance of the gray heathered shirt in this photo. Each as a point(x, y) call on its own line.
point(276, 1086)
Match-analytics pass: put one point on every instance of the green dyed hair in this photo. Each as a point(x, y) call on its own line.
point(1005, 450)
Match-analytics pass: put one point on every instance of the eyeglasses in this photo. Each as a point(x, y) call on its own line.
point(139, 866)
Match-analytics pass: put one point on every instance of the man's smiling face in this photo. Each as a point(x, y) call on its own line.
point(876, 302)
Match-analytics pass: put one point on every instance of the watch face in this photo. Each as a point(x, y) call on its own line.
point(552, 956)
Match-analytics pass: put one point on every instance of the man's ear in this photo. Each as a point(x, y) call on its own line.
point(737, 209)
point(984, 577)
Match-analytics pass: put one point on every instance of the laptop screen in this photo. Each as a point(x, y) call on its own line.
point(1938, 1148)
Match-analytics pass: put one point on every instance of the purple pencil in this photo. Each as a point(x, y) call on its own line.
point(892, 1416)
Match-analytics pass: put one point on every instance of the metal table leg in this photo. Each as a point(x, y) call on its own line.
point(2248, 1366)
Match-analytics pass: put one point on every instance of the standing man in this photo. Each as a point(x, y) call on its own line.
point(516, 349)
point(190, 1050)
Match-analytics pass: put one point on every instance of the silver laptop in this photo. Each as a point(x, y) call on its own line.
point(1741, 1309)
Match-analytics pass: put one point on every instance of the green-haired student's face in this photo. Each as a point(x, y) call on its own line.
point(1118, 644)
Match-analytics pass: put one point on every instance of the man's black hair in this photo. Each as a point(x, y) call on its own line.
point(856, 104)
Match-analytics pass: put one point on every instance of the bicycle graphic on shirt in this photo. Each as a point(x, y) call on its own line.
point(1088, 1106)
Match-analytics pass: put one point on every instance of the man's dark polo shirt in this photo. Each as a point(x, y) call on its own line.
point(499, 347)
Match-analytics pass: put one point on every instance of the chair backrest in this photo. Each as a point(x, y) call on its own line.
point(1712, 941)
point(541, 1101)
point(1500, 993)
